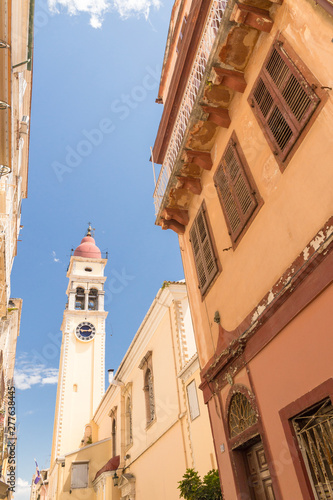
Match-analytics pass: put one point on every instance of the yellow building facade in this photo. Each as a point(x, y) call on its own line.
point(151, 424)
point(246, 181)
point(16, 49)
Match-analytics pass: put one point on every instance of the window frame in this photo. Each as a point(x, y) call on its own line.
point(114, 435)
point(86, 463)
point(321, 392)
point(199, 256)
point(245, 172)
point(93, 299)
point(193, 393)
point(146, 365)
point(149, 396)
point(128, 421)
point(80, 298)
point(327, 5)
point(311, 86)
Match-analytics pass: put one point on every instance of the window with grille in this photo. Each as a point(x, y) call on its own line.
point(79, 476)
point(314, 430)
point(114, 437)
point(283, 99)
point(146, 364)
point(236, 189)
point(241, 414)
point(149, 396)
point(204, 256)
point(128, 416)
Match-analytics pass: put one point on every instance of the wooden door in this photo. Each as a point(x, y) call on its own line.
point(259, 477)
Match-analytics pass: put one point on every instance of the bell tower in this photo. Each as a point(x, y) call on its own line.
point(81, 368)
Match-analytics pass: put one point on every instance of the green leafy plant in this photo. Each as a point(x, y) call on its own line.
point(165, 284)
point(192, 487)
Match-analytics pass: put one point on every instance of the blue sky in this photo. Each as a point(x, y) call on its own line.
point(94, 118)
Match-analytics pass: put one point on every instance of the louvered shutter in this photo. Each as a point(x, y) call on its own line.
point(327, 5)
point(235, 192)
point(204, 256)
point(283, 101)
point(193, 402)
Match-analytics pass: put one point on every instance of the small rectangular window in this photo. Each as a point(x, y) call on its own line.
point(79, 476)
point(283, 99)
point(236, 189)
point(204, 256)
point(193, 402)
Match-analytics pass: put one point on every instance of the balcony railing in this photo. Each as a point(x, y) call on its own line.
point(198, 70)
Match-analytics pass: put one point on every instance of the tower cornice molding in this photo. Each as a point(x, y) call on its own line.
point(88, 279)
point(83, 313)
point(83, 259)
point(81, 316)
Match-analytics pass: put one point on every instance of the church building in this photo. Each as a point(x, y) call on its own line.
point(137, 439)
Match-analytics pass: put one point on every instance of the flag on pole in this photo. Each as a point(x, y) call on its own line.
point(38, 476)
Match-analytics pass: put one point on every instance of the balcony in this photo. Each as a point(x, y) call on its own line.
point(217, 74)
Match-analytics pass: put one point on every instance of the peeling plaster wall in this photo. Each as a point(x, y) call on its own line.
point(297, 202)
point(294, 364)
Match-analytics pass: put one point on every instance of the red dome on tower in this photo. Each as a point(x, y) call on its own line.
point(87, 247)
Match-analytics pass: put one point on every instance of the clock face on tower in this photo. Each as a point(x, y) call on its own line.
point(85, 331)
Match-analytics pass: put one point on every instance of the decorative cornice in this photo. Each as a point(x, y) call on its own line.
point(78, 450)
point(181, 73)
point(191, 367)
point(101, 479)
point(113, 412)
point(145, 359)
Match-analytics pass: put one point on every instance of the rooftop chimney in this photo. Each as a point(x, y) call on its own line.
point(110, 372)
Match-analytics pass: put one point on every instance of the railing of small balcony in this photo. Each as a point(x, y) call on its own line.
point(198, 70)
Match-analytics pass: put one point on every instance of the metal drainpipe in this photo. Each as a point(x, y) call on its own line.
point(31, 34)
point(21, 63)
point(177, 384)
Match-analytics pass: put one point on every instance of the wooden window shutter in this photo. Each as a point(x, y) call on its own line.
point(193, 402)
point(237, 197)
point(204, 255)
point(283, 101)
point(79, 477)
point(327, 5)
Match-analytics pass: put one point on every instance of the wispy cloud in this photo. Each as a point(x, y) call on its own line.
point(98, 8)
point(28, 374)
point(22, 489)
point(127, 8)
point(54, 255)
point(29, 412)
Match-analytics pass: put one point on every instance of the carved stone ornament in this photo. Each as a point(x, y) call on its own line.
point(127, 486)
point(229, 379)
point(100, 482)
